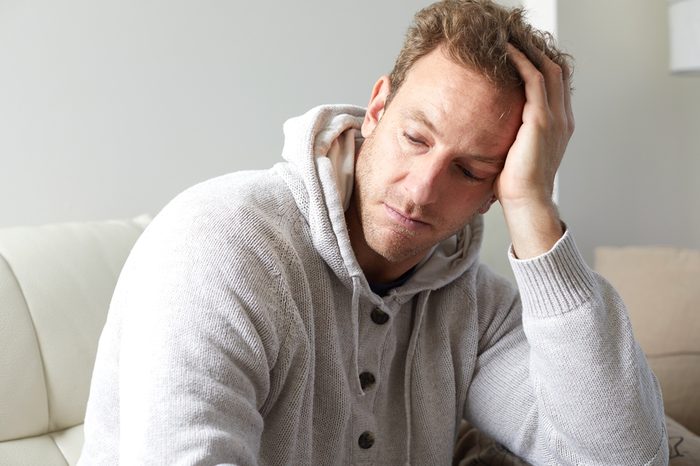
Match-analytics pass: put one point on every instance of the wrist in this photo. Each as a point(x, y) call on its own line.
point(534, 227)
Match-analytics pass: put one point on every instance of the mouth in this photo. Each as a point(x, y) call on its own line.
point(405, 220)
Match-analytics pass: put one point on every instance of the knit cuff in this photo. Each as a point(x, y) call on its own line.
point(555, 282)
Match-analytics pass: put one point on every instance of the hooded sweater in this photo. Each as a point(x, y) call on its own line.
point(243, 331)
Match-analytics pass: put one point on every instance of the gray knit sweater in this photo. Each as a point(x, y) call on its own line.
point(242, 326)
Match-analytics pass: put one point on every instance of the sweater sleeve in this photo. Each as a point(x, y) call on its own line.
point(560, 378)
point(198, 339)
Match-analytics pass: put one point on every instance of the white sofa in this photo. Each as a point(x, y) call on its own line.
point(56, 282)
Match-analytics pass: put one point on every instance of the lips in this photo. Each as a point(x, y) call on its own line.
point(405, 220)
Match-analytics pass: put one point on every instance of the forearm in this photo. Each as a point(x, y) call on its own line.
point(592, 385)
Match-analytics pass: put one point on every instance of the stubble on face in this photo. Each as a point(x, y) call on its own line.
point(390, 240)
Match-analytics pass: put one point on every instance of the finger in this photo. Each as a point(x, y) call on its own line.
point(556, 91)
point(535, 88)
point(567, 97)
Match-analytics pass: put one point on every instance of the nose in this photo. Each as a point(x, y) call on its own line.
point(422, 181)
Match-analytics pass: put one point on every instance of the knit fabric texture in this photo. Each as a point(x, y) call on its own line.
point(243, 331)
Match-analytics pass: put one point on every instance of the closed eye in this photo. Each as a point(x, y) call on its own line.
point(470, 175)
point(413, 140)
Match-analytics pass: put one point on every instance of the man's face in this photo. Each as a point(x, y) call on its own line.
point(429, 159)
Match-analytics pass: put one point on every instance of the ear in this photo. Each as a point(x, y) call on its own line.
point(375, 107)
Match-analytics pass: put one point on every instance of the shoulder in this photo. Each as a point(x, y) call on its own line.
point(214, 258)
point(229, 213)
point(236, 233)
point(493, 286)
point(232, 198)
point(496, 303)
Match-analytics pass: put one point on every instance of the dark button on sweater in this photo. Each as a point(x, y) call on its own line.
point(379, 317)
point(367, 380)
point(366, 440)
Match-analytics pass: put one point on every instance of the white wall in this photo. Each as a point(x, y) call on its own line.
point(109, 108)
point(631, 175)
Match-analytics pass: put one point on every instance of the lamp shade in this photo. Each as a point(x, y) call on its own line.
point(684, 32)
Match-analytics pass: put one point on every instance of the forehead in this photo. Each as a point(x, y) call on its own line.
point(436, 78)
point(457, 102)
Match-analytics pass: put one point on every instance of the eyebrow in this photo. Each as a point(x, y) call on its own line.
point(487, 160)
point(418, 115)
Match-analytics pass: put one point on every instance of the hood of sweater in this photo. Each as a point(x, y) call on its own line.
point(320, 148)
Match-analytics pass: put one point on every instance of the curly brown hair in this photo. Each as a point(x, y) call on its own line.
point(474, 34)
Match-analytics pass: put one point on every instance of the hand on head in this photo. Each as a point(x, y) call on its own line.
point(524, 187)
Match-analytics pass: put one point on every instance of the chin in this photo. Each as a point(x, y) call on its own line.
point(396, 251)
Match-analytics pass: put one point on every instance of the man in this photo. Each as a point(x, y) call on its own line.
point(332, 309)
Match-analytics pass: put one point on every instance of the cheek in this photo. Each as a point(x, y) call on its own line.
point(366, 176)
point(372, 168)
point(466, 203)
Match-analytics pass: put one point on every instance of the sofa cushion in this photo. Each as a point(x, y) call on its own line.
point(683, 445)
point(56, 282)
point(661, 289)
